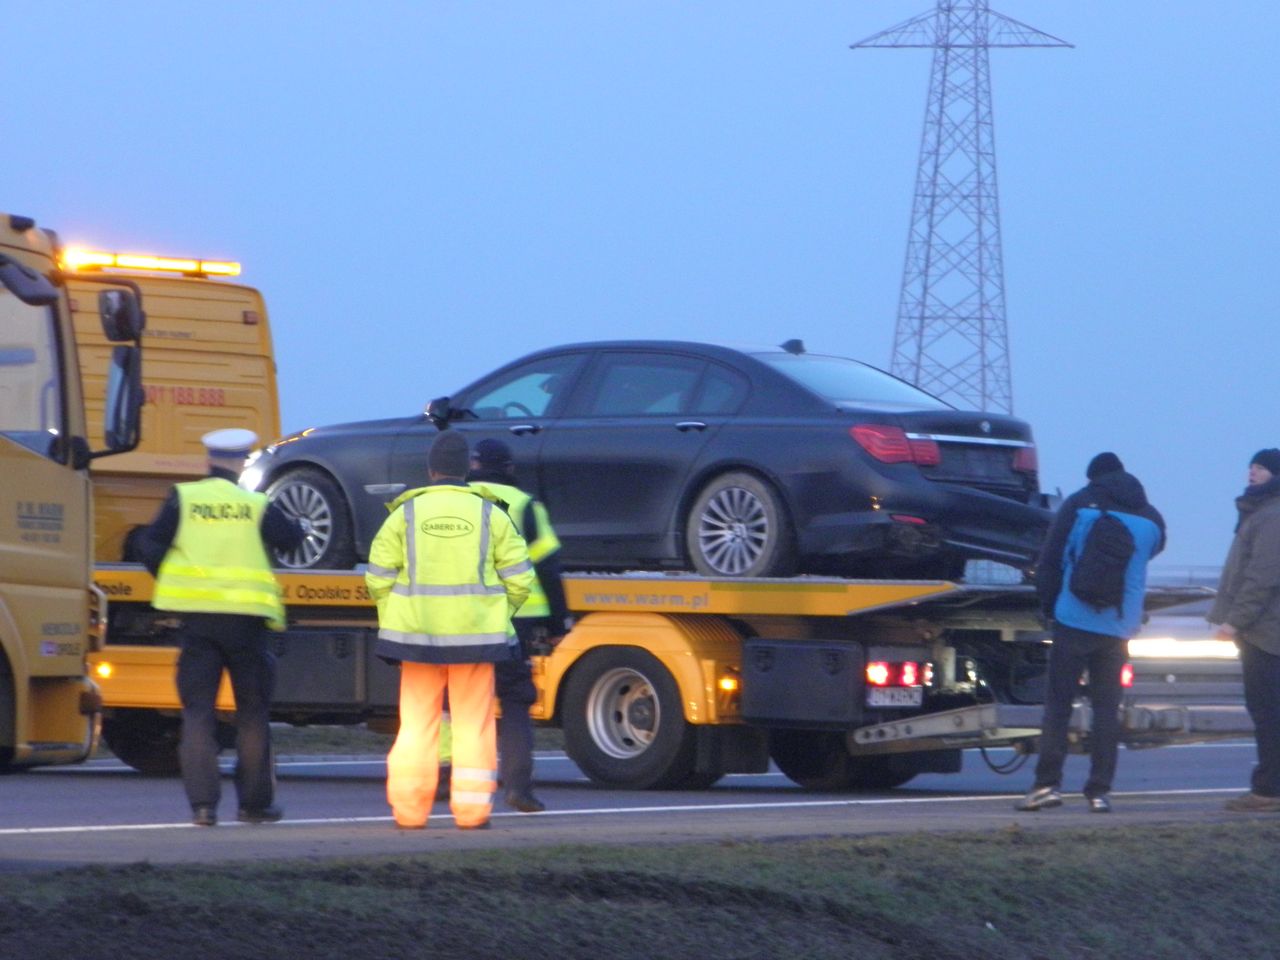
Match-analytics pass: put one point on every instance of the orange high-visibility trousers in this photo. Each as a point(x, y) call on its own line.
point(413, 765)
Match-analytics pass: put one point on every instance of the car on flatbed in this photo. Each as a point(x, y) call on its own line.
point(732, 461)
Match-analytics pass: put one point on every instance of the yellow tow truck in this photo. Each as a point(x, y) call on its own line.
point(51, 614)
point(667, 680)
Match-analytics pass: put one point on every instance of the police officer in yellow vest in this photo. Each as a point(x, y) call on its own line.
point(447, 569)
point(541, 623)
point(207, 549)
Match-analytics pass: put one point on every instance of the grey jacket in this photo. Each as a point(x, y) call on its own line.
point(1249, 592)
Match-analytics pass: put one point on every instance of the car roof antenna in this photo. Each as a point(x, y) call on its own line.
point(794, 346)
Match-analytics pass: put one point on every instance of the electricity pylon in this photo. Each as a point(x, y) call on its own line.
point(951, 337)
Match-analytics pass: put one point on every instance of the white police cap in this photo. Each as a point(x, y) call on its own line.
point(230, 443)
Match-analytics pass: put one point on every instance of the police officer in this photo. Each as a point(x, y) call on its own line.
point(447, 570)
point(207, 549)
point(543, 620)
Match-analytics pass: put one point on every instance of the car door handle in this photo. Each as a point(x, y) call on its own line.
point(684, 426)
point(520, 429)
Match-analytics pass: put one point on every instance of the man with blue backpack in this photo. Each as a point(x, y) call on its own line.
point(1091, 578)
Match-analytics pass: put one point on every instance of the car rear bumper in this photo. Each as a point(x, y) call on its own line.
point(944, 519)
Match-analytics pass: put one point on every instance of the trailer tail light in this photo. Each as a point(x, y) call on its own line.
point(886, 673)
point(890, 444)
point(896, 684)
point(1025, 459)
point(1126, 675)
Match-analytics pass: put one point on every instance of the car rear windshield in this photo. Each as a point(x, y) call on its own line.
point(841, 380)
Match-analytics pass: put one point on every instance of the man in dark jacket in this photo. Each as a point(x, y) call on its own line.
point(1085, 637)
point(1247, 609)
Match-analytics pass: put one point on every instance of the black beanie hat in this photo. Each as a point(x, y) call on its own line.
point(449, 455)
point(1269, 458)
point(1103, 463)
point(492, 454)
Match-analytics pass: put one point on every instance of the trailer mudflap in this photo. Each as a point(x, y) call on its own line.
point(1004, 724)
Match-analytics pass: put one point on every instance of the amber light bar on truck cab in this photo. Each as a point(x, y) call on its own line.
point(78, 258)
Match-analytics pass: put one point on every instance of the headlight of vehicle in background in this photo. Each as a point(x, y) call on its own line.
point(251, 475)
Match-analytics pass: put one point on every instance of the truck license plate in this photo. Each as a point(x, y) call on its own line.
point(895, 696)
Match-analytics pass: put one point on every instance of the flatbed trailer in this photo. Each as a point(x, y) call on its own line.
point(673, 680)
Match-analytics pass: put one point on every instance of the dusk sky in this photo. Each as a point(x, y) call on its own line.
point(424, 191)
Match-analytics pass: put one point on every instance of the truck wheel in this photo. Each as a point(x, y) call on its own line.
point(877, 773)
point(815, 759)
point(818, 760)
point(738, 528)
point(146, 741)
point(312, 496)
point(623, 722)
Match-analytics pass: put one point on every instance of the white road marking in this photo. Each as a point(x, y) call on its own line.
point(598, 811)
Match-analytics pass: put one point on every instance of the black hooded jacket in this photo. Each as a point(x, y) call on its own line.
point(1116, 491)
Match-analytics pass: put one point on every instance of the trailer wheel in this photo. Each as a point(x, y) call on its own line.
point(144, 740)
point(315, 499)
point(738, 527)
point(624, 725)
point(818, 760)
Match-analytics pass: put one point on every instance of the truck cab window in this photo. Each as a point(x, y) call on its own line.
point(30, 383)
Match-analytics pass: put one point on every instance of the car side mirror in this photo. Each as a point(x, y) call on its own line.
point(121, 315)
point(440, 412)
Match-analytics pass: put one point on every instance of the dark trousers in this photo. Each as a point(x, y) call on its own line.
point(1104, 657)
point(210, 643)
point(513, 683)
point(1262, 697)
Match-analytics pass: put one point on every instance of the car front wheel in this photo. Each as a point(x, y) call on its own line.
point(311, 497)
point(739, 528)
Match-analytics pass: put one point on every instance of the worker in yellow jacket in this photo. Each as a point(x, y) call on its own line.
point(540, 624)
point(448, 570)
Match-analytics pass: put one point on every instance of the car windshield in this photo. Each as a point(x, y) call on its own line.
point(841, 380)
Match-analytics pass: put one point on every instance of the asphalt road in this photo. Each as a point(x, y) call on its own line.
point(103, 812)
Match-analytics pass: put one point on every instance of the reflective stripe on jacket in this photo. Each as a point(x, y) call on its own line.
point(447, 569)
point(542, 546)
point(217, 562)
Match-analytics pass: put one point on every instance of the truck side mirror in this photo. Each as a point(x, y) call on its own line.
point(123, 415)
point(439, 411)
point(29, 286)
point(121, 315)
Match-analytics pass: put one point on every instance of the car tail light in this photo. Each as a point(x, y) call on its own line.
point(910, 674)
point(1126, 675)
point(890, 444)
point(878, 673)
point(1025, 460)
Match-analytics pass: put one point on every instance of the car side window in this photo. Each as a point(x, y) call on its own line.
point(629, 386)
point(527, 391)
point(722, 391)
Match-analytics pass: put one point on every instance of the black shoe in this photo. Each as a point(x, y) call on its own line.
point(525, 802)
point(204, 816)
point(1099, 805)
point(270, 814)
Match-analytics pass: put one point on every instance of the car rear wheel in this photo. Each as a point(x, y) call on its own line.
point(738, 528)
point(314, 499)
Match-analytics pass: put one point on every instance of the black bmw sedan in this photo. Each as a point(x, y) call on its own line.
point(665, 454)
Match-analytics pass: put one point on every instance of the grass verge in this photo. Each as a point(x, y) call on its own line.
point(1150, 893)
